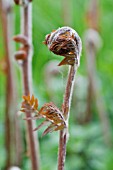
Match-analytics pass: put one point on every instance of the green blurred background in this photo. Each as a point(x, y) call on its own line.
point(86, 149)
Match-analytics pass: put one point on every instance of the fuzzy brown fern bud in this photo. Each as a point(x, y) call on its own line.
point(53, 116)
point(22, 2)
point(65, 42)
point(21, 54)
point(17, 2)
point(92, 39)
point(29, 103)
point(3, 65)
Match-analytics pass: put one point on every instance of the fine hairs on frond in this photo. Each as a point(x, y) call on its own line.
point(65, 42)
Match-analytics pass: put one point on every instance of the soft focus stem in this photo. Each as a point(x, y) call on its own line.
point(4, 19)
point(66, 111)
point(96, 88)
point(6, 13)
point(26, 14)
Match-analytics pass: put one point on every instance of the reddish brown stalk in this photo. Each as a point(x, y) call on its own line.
point(67, 12)
point(66, 111)
point(26, 24)
point(65, 42)
point(13, 146)
point(92, 42)
point(9, 84)
point(92, 16)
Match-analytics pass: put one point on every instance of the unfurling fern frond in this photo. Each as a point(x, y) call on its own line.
point(53, 116)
